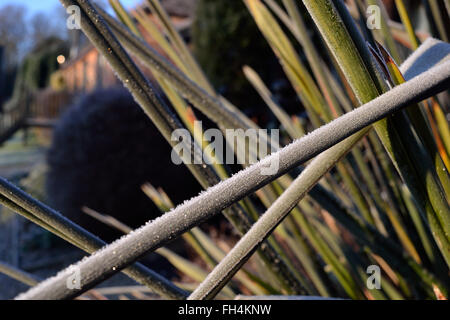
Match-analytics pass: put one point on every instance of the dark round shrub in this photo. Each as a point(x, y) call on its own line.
point(104, 148)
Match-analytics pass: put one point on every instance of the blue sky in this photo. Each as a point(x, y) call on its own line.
point(47, 5)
